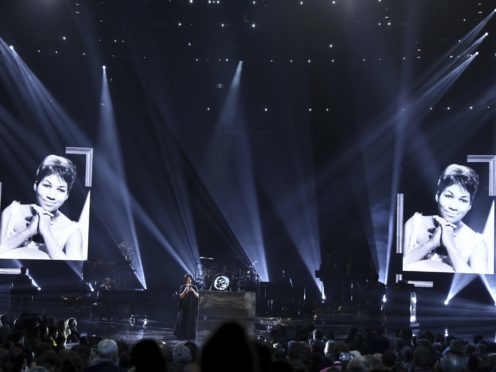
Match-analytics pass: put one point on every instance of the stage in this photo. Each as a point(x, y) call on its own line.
point(131, 316)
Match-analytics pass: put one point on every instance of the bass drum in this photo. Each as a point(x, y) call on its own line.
point(221, 282)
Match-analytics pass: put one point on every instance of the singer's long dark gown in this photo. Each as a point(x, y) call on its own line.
point(187, 316)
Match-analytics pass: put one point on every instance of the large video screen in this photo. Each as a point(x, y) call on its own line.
point(455, 232)
point(51, 220)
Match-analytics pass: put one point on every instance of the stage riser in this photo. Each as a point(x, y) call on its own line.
point(217, 307)
point(227, 305)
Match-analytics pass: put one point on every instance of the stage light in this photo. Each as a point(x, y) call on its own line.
point(446, 302)
point(253, 25)
point(104, 67)
point(11, 47)
point(384, 298)
point(413, 319)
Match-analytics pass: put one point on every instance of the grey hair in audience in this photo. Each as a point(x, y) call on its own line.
point(38, 369)
point(452, 363)
point(107, 349)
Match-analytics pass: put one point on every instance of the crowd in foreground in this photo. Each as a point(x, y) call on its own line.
point(35, 343)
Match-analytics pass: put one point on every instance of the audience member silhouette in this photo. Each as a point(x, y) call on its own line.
point(228, 340)
point(147, 356)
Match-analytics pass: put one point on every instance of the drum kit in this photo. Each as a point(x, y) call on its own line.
point(234, 276)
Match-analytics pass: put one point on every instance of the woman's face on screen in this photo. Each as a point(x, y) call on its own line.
point(453, 203)
point(51, 192)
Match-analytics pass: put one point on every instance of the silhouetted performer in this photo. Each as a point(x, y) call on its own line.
point(22, 290)
point(398, 305)
point(332, 273)
point(109, 307)
point(107, 285)
point(286, 295)
point(375, 291)
point(188, 310)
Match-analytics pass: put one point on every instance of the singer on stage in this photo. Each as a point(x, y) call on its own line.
point(188, 310)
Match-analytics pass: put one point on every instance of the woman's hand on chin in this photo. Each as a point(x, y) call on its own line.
point(44, 219)
point(40, 211)
point(443, 223)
